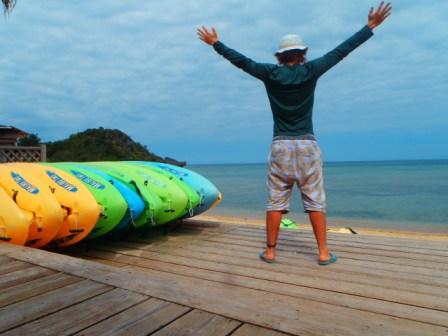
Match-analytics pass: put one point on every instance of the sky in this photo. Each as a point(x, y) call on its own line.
point(138, 66)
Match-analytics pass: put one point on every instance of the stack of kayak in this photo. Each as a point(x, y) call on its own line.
point(60, 204)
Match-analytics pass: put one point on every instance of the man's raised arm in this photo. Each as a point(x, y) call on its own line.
point(375, 18)
point(255, 69)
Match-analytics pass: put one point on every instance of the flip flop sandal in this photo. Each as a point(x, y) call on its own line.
point(263, 257)
point(333, 259)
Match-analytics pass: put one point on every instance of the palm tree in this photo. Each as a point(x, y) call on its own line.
point(8, 5)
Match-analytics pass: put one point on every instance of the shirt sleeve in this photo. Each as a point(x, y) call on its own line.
point(320, 65)
point(258, 70)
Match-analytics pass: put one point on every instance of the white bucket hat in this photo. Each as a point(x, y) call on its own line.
point(291, 42)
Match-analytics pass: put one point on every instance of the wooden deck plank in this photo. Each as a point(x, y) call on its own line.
point(139, 320)
point(290, 237)
point(286, 260)
point(308, 246)
point(249, 258)
point(22, 276)
point(287, 286)
point(278, 312)
point(35, 287)
point(14, 315)
point(251, 330)
point(431, 267)
point(12, 266)
point(82, 315)
point(255, 268)
point(199, 323)
point(108, 262)
point(419, 241)
point(344, 264)
point(4, 259)
point(202, 223)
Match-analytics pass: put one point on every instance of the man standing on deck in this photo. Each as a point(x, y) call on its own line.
point(295, 156)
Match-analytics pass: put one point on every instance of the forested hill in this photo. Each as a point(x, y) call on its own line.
point(100, 145)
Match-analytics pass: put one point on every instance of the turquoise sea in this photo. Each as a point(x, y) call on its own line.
point(396, 195)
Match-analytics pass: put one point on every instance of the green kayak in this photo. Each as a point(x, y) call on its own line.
point(174, 200)
point(154, 205)
point(107, 196)
point(192, 196)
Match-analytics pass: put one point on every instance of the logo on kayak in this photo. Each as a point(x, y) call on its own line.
point(61, 182)
point(152, 180)
point(173, 171)
point(24, 184)
point(88, 180)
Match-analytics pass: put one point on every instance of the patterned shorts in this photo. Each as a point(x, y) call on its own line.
point(295, 162)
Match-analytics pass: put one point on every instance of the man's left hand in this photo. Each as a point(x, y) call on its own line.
point(209, 37)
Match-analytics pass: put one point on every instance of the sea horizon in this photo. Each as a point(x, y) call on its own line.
point(406, 195)
point(331, 162)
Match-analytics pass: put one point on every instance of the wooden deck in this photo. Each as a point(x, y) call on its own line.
point(206, 279)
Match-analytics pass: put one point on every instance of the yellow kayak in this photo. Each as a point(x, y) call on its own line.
point(81, 211)
point(14, 226)
point(40, 208)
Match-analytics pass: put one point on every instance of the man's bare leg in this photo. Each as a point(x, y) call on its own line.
point(319, 223)
point(273, 219)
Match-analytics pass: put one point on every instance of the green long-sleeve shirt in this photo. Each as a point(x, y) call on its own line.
point(291, 88)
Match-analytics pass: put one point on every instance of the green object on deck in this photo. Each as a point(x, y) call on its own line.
point(288, 224)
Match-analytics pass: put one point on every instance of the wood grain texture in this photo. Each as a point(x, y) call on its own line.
point(19, 313)
point(80, 316)
point(139, 320)
point(35, 287)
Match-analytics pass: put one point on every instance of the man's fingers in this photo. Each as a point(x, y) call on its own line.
point(202, 31)
point(385, 9)
point(385, 14)
point(205, 30)
point(208, 36)
point(380, 7)
point(200, 34)
point(371, 11)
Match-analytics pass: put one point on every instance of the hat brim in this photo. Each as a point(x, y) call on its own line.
point(281, 51)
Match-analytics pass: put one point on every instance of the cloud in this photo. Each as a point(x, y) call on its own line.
point(138, 66)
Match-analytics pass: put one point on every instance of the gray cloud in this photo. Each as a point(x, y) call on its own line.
point(138, 66)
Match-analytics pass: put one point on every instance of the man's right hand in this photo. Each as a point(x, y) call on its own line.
point(375, 18)
point(209, 37)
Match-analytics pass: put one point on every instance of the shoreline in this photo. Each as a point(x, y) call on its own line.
point(235, 220)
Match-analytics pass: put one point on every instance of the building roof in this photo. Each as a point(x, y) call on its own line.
point(11, 130)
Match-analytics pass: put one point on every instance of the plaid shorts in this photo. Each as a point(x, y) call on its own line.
point(295, 162)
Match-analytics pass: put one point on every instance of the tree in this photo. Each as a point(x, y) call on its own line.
point(29, 140)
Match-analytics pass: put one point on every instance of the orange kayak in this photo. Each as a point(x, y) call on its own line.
point(81, 211)
point(38, 205)
point(14, 226)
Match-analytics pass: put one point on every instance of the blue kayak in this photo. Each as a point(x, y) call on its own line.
point(133, 200)
point(208, 192)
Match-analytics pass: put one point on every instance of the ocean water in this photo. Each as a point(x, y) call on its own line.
point(396, 195)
